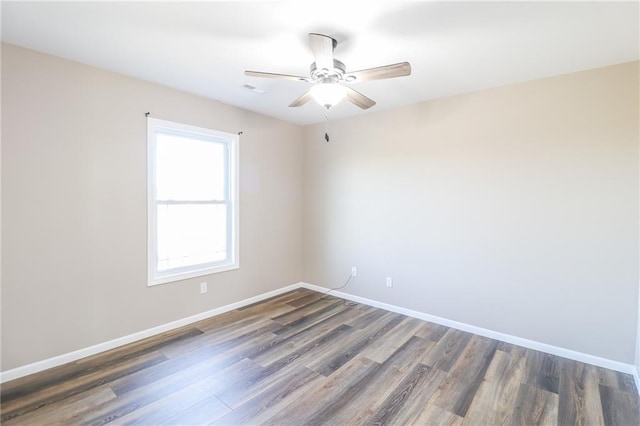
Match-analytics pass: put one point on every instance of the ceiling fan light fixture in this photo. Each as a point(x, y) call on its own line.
point(328, 94)
point(326, 72)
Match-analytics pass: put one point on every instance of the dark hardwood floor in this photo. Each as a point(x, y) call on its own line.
point(303, 358)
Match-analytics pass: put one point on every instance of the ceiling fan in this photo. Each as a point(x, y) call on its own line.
point(328, 75)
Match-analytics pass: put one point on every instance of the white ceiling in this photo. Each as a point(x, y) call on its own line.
point(453, 47)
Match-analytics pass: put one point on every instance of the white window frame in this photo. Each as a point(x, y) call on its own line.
point(155, 277)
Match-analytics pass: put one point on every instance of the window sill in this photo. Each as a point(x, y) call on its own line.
point(165, 279)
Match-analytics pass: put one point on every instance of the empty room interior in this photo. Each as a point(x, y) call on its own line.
point(341, 213)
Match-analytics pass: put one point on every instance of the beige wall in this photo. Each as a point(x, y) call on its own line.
point(514, 209)
point(637, 360)
point(74, 206)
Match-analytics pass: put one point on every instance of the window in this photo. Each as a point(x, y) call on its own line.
point(193, 201)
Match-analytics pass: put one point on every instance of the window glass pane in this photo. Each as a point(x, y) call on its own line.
point(188, 168)
point(191, 234)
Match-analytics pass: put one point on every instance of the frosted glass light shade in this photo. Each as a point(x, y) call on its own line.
point(328, 94)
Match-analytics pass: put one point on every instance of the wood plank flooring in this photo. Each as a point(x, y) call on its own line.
point(304, 358)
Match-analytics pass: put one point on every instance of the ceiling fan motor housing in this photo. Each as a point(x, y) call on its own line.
point(328, 76)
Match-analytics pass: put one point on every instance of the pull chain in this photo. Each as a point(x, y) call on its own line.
point(326, 128)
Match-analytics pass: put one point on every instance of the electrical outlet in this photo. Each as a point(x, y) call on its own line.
point(354, 271)
point(389, 282)
point(203, 288)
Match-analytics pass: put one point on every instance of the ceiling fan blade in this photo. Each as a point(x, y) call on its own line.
point(388, 71)
point(277, 76)
point(322, 47)
point(301, 100)
point(358, 99)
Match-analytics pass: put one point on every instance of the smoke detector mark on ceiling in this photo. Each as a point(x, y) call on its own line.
point(254, 89)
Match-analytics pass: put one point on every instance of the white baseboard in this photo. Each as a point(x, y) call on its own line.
point(35, 367)
point(530, 344)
